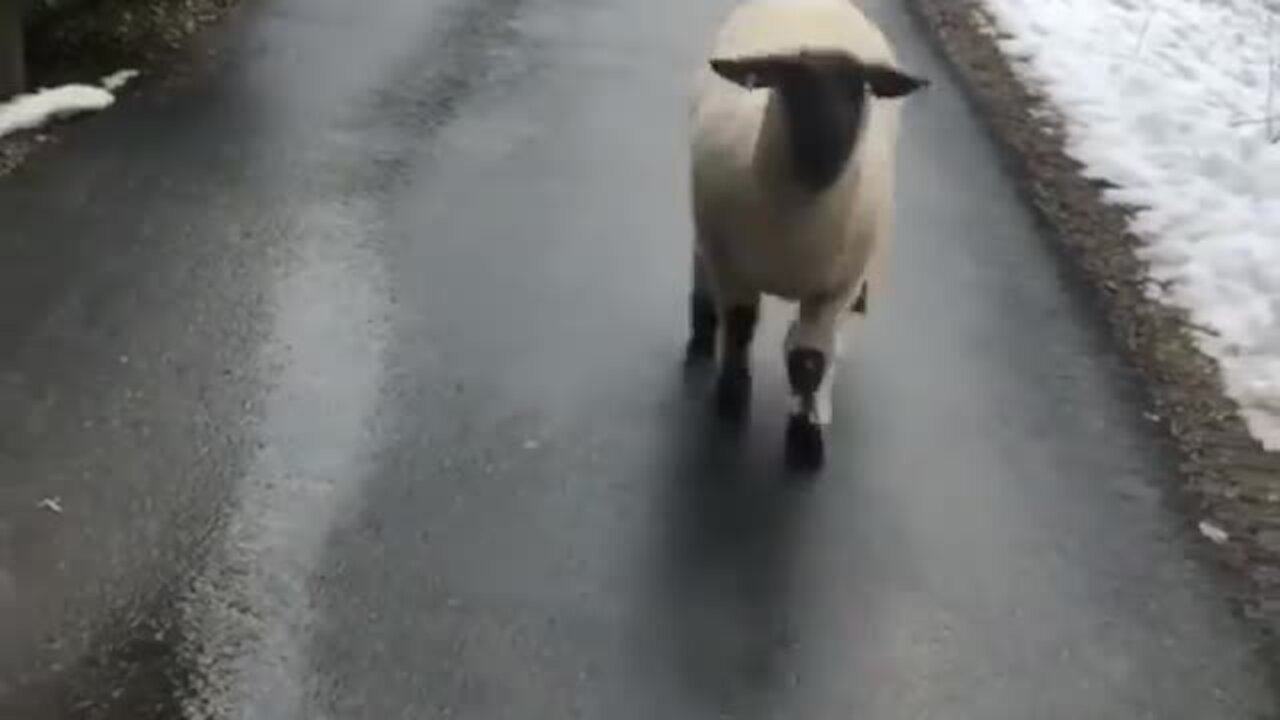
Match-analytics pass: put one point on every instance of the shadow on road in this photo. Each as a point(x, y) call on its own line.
point(731, 529)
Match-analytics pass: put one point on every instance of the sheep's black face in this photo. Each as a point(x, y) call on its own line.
point(824, 118)
point(825, 96)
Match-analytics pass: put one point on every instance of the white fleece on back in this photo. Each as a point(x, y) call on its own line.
point(746, 210)
point(779, 26)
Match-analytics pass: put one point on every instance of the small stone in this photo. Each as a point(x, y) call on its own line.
point(1213, 532)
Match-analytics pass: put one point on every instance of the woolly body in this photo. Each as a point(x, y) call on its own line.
point(758, 230)
point(793, 146)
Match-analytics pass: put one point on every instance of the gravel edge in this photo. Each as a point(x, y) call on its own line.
point(1227, 478)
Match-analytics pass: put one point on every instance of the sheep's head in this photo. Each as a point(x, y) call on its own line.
point(824, 94)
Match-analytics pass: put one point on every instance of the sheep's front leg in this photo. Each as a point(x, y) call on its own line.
point(811, 350)
point(703, 317)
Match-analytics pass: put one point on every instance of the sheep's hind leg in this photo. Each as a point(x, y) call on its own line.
point(811, 348)
point(733, 387)
point(860, 302)
point(704, 320)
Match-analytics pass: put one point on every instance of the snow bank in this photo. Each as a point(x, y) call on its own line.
point(33, 110)
point(1177, 102)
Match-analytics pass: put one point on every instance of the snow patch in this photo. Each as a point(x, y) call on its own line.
point(1177, 104)
point(35, 109)
point(32, 110)
point(117, 80)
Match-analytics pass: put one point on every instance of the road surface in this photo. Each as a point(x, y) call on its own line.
point(343, 380)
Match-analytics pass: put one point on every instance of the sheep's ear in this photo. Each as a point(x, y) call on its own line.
point(750, 72)
point(887, 82)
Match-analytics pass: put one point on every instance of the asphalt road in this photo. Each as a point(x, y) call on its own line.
point(353, 365)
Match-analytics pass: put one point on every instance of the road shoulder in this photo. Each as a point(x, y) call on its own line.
point(79, 44)
point(1228, 482)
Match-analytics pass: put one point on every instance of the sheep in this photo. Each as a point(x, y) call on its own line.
point(793, 144)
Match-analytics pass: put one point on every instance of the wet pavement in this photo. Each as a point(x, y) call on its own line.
point(352, 371)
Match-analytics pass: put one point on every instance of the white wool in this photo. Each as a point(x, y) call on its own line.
point(741, 207)
point(779, 26)
point(757, 232)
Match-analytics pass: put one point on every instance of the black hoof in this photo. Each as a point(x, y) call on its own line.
point(806, 451)
point(700, 350)
point(733, 393)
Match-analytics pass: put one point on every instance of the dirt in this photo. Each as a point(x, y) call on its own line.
point(1227, 479)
